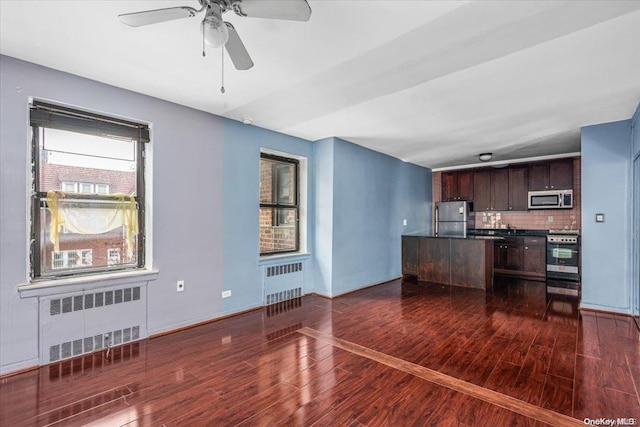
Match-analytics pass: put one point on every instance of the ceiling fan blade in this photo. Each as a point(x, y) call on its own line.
point(292, 10)
point(147, 17)
point(236, 50)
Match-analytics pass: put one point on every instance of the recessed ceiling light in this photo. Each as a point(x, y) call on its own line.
point(247, 121)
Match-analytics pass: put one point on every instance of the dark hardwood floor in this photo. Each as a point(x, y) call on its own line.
point(398, 354)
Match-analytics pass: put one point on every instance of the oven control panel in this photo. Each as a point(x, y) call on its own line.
point(562, 239)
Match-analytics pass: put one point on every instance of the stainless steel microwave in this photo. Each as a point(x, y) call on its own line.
point(551, 199)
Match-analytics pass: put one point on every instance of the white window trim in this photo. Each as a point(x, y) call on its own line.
point(31, 287)
point(302, 203)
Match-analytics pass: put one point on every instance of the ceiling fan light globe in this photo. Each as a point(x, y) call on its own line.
point(215, 33)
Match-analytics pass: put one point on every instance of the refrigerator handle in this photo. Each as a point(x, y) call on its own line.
point(436, 221)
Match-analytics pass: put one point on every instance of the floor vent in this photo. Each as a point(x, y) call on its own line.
point(277, 270)
point(93, 300)
point(85, 345)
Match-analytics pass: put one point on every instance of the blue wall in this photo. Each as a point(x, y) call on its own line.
point(323, 187)
point(205, 207)
point(606, 188)
point(371, 195)
point(242, 270)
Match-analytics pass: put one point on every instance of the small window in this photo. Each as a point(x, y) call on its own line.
point(75, 154)
point(279, 210)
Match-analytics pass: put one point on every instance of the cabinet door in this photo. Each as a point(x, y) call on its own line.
point(465, 185)
point(561, 174)
point(449, 186)
point(409, 255)
point(518, 187)
point(482, 190)
point(433, 256)
point(499, 255)
point(539, 176)
point(515, 254)
point(535, 256)
point(500, 189)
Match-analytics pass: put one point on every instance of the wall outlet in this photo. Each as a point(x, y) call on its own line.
point(549, 219)
point(226, 294)
point(180, 286)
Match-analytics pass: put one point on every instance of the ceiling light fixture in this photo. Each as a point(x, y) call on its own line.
point(247, 121)
point(485, 157)
point(215, 30)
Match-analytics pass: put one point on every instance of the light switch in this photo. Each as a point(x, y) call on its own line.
point(600, 217)
point(404, 222)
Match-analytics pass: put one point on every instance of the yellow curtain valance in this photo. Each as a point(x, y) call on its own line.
point(77, 217)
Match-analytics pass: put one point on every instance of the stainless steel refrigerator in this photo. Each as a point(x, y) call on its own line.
point(453, 219)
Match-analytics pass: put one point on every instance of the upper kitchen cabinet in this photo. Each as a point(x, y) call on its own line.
point(491, 190)
point(482, 190)
point(518, 185)
point(500, 189)
point(457, 185)
point(553, 175)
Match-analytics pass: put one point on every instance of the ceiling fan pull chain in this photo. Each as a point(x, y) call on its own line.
point(222, 87)
point(203, 54)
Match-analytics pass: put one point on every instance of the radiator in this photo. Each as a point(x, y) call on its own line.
point(283, 282)
point(80, 323)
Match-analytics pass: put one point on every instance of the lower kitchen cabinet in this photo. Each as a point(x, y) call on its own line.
point(409, 255)
point(535, 256)
point(520, 256)
point(450, 261)
point(433, 255)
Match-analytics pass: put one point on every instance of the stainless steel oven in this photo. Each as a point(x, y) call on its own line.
point(563, 264)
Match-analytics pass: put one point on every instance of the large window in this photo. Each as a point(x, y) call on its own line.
point(279, 213)
point(88, 197)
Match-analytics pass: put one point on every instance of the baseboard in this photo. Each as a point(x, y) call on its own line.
point(332, 296)
point(601, 309)
point(19, 368)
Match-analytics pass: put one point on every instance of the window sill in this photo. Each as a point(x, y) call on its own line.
point(74, 284)
point(273, 259)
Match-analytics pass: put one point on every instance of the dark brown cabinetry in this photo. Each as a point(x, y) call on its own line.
point(409, 255)
point(535, 253)
point(433, 256)
point(520, 256)
point(457, 185)
point(518, 186)
point(491, 190)
point(508, 254)
point(458, 262)
point(482, 190)
point(553, 175)
point(500, 189)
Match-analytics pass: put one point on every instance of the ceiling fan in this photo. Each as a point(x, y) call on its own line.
point(218, 33)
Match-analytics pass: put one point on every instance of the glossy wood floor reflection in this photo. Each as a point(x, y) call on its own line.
point(397, 354)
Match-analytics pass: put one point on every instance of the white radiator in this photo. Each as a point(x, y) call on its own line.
point(283, 282)
point(83, 322)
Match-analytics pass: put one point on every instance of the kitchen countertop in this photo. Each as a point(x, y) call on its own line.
point(486, 234)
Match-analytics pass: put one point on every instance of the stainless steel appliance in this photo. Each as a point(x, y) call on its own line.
point(453, 219)
point(563, 263)
point(551, 199)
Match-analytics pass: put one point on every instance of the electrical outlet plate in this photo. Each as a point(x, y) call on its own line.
point(226, 294)
point(180, 286)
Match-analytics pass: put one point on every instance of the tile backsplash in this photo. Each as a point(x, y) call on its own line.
point(539, 219)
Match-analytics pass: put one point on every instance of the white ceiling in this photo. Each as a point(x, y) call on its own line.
point(433, 83)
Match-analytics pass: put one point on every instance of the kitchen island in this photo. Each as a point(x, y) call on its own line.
point(455, 261)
